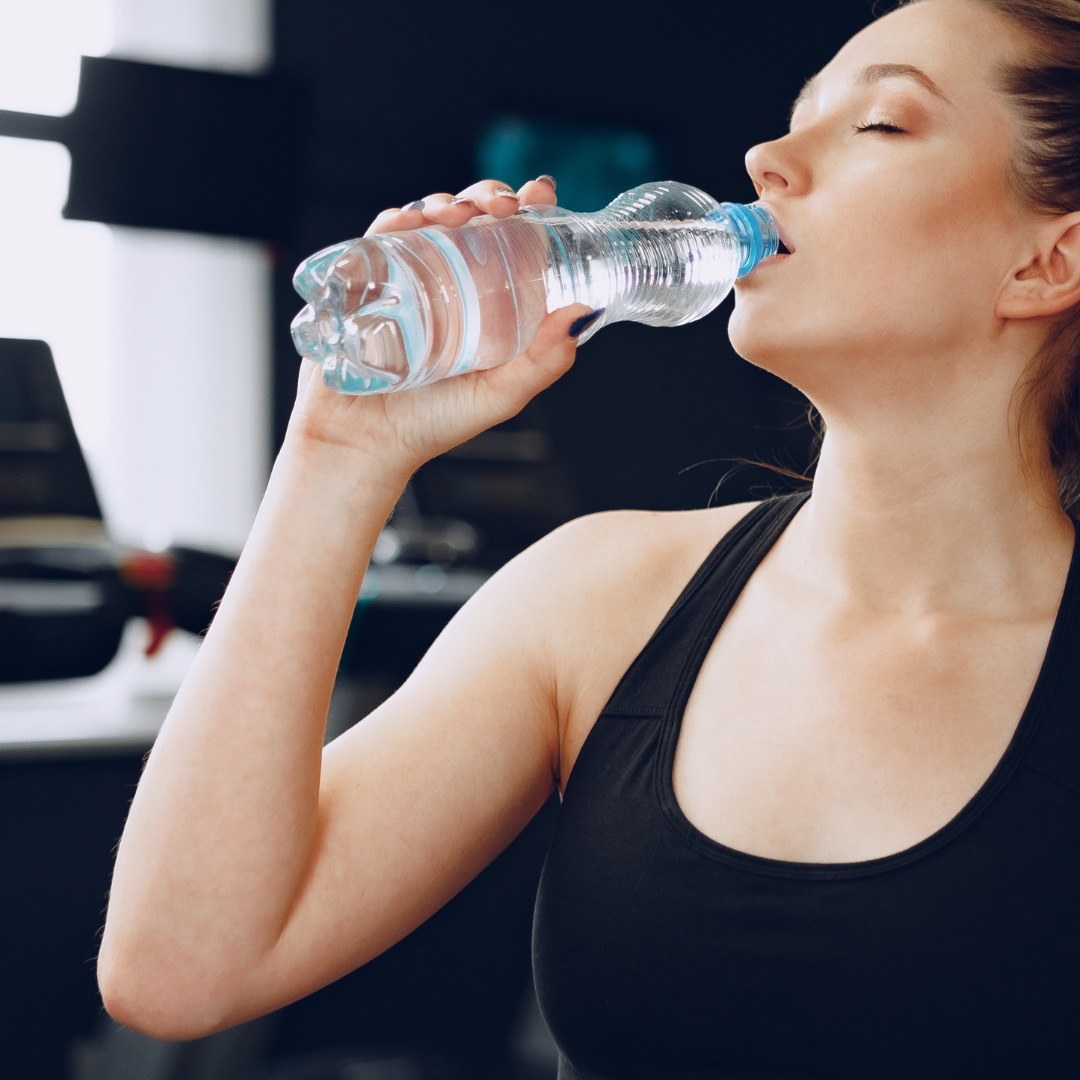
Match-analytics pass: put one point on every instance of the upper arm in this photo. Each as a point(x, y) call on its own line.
point(422, 794)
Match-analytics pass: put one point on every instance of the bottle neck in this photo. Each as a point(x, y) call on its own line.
point(756, 231)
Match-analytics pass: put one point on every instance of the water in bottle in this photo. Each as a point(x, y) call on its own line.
point(401, 309)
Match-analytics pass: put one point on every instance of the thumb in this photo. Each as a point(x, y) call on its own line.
point(549, 355)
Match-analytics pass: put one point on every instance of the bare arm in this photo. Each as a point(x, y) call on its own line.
point(253, 867)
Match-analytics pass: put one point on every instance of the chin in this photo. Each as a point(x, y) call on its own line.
point(765, 339)
point(809, 354)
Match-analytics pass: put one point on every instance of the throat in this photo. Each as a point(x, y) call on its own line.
point(927, 542)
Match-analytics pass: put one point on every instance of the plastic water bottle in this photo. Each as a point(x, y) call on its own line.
point(398, 310)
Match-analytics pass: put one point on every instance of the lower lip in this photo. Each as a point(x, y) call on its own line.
point(774, 260)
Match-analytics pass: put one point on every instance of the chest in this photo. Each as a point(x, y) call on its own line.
point(817, 735)
point(942, 941)
point(659, 954)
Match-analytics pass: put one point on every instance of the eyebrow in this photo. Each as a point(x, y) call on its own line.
point(875, 73)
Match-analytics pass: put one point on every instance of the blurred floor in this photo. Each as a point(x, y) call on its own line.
point(241, 1054)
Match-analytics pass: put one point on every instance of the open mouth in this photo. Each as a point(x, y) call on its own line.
point(782, 248)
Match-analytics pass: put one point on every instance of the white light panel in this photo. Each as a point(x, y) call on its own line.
point(188, 451)
point(55, 282)
point(225, 35)
point(40, 45)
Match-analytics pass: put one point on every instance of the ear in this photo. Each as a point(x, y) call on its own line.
point(1050, 282)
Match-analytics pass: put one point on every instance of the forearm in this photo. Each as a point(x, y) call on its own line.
point(222, 828)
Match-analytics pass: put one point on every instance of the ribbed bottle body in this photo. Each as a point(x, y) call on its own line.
point(663, 254)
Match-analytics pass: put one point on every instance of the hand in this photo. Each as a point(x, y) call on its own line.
point(404, 429)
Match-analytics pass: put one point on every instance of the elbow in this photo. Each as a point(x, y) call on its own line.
point(133, 1012)
point(153, 1003)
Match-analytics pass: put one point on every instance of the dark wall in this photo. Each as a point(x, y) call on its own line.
point(398, 99)
point(60, 824)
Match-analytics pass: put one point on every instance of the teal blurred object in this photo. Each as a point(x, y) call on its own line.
point(592, 163)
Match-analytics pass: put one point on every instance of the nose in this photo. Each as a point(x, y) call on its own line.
point(776, 168)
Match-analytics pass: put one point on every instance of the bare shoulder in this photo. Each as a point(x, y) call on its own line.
point(623, 541)
point(614, 561)
point(594, 591)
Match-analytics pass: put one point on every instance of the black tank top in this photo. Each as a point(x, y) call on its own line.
point(662, 954)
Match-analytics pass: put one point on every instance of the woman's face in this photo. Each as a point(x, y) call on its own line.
point(891, 190)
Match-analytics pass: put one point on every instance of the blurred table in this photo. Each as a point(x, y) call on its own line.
point(122, 708)
point(420, 586)
point(118, 710)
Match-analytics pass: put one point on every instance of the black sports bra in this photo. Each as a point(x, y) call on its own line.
point(660, 954)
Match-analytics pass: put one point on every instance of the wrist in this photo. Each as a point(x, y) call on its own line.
point(374, 470)
point(349, 477)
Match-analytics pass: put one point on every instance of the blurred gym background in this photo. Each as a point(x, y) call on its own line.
point(164, 164)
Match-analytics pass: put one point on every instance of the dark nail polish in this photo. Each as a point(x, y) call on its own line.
point(547, 179)
point(579, 325)
point(417, 204)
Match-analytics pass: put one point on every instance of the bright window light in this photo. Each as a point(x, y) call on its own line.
point(55, 282)
point(40, 45)
point(161, 340)
point(223, 35)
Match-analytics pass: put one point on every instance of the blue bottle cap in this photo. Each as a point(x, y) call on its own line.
point(757, 232)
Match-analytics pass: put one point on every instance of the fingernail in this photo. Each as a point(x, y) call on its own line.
point(507, 191)
point(417, 204)
point(578, 325)
point(547, 180)
point(462, 202)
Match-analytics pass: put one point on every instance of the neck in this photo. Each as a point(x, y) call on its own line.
point(922, 513)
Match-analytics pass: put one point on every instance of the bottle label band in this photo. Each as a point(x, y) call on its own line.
point(470, 302)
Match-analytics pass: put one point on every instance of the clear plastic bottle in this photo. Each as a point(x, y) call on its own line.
point(398, 310)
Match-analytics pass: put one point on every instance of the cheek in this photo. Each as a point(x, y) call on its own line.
point(896, 242)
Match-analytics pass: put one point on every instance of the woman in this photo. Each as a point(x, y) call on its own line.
point(827, 822)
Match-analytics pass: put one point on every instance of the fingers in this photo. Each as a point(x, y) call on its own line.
point(492, 197)
point(441, 209)
point(445, 209)
point(449, 210)
point(499, 199)
point(538, 192)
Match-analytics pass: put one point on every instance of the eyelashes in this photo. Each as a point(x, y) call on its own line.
point(881, 125)
point(888, 129)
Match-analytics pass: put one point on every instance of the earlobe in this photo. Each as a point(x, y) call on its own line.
point(1050, 282)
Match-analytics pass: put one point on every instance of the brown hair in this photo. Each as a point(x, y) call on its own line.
point(1043, 89)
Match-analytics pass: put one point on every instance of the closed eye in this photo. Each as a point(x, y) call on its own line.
point(889, 129)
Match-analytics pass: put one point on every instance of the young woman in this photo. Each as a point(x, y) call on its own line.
point(820, 756)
